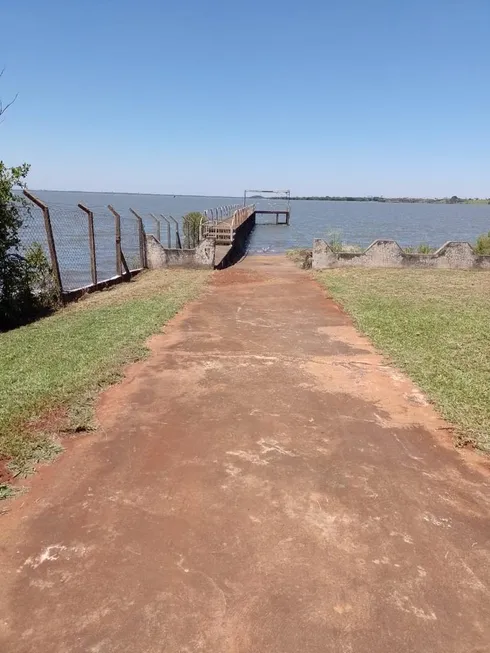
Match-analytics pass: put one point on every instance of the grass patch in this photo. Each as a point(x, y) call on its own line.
point(300, 256)
point(435, 325)
point(423, 248)
point(57, 365)
point(6, 491)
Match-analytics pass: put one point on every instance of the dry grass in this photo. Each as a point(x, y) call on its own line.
point(435, 324)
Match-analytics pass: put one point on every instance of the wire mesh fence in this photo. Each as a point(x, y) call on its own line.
point(85, 244)
point(32, 231)
point(130, 242)
point(70, 231)
point(88, 245)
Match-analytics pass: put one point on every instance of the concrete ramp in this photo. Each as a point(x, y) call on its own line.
point(263, 483)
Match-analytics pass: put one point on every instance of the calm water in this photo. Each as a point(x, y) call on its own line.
point(353, 222)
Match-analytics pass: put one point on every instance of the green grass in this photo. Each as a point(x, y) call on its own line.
point(58, 364)
point(435, 325)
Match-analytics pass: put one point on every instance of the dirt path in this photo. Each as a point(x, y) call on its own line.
point(263, 483)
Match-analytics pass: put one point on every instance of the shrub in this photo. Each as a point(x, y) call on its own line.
point(301, 256)
point(334, 239)
point(482, 245)
point(26, 286)
point(191, 223)
point(423, 248)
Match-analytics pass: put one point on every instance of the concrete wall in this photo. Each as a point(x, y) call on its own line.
point(388, 254)
point(161, 257)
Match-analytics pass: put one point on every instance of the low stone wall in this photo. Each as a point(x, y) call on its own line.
point(389, 254)
point(159, 256)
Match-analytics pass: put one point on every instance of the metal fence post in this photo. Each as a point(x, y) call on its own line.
point(49, 235)
point(178, 242)
point(142, 236)
point(142, 239)
point(169, 234)
point(91, 242)
point(118, 240)
point(157, 222)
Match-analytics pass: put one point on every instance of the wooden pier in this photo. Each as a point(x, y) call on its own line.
point(225, 223)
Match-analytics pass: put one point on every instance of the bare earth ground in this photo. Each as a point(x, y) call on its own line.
point(263, 483)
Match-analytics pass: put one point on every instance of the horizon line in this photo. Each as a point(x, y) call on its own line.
point(386, 197)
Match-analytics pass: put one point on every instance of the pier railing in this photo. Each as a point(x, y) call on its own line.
point(222, 224)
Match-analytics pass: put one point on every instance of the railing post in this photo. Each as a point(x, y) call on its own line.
point(91, 242)
point(142, 240)
point(118, 240)
point(169, 236)
point(50, 238)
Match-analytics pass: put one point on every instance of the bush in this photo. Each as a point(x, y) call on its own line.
point(192, 223)
point(423, 248)
point(26, 287)
point(482, 246)
point(301, 256)
point(334, 239)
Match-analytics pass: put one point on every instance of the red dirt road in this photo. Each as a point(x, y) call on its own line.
point(263, 483)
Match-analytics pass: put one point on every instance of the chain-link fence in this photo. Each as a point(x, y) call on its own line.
point(88, 246)
point(84, 247)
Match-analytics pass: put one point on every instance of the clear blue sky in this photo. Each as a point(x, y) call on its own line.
point(336, 97)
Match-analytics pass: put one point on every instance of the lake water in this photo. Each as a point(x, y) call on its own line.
point(353, 222)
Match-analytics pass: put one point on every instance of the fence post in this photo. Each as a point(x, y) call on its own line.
point(142, 240)
point(178, 242)
point(169, 235)
point(49, 235)
point(91, 242)
point(118, 240)
point(157, 222)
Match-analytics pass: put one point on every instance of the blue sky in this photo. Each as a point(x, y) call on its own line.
point(324, 97)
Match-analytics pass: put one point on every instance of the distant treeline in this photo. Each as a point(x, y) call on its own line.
point(394, 200)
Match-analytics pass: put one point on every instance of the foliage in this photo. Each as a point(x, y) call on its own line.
point(434, 324)
point(301, 256)
point(6, 491)
point(334, 239)
point(423, 248)
point(56, 366)
point(482, 246)
point(335, 242)
point(191, 223)
point(26, 287)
